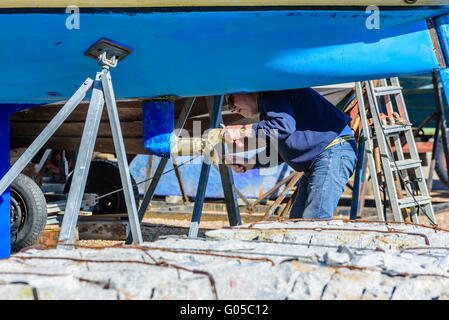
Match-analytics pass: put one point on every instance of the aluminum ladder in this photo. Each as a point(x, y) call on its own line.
point(384, 136)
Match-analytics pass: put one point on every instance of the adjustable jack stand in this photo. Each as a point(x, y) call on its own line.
point(101, 91)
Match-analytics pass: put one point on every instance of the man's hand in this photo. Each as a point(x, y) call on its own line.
point(232, 134)
point(238, 164)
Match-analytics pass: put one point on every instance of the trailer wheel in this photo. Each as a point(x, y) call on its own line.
point(104, 177)
point(28, 212)
point(440, 162)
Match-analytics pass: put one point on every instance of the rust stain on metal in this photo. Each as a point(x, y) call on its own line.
point(436, 46)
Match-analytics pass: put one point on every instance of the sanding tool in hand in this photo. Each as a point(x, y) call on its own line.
point(209, 146)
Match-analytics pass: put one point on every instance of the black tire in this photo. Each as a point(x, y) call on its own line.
point(104, 177)
point(28, 212)
point(440, 162)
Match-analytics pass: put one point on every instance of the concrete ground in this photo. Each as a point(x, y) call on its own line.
point(260, 260)
point(267, 260)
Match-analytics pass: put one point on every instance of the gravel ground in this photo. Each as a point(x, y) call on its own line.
point(152, 229)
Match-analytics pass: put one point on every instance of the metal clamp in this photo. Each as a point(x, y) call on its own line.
point(105, 62)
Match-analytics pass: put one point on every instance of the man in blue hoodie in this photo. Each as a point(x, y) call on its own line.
point(311, 135)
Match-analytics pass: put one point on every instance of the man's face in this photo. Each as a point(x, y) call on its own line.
point(243, 103)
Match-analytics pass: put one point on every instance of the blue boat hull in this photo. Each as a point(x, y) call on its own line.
point(207, 53)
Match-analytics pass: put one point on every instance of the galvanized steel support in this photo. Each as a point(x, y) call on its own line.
point(119, 146)
point(82, 166)
point(226, 180)
point(102, 92)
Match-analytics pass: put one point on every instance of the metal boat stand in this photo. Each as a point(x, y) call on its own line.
point(102, 91)
point(227, 180)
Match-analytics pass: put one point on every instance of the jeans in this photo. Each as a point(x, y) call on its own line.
point(321, 186)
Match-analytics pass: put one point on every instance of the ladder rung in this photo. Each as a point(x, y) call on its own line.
point(410, 202)
point(405, 164)
point(383, 91)
point(396, 128)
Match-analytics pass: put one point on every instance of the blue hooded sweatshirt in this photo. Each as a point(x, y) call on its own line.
point(305, 123)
